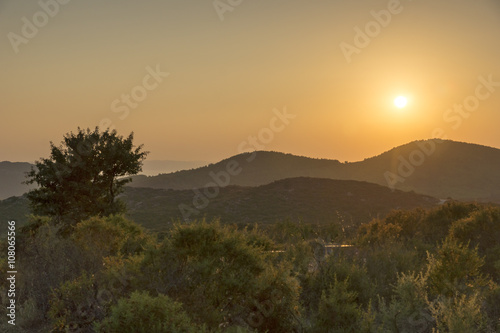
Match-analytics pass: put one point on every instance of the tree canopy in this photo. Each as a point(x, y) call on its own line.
point(83, 175)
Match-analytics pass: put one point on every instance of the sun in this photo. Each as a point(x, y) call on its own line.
point(400, 102)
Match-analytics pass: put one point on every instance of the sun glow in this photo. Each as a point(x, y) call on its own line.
point(400, 102)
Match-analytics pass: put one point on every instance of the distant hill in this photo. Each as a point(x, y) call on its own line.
point(462, 171)
point(310, 200)
point(13, 209)
point(439, 168)
point(459, 170)
point(156, 167)
point(12, 174)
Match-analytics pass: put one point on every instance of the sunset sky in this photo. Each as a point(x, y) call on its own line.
point(315, 78)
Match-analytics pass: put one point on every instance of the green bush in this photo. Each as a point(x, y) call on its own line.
point(224, 277)
point(142, 313)
point(338, 310)
point(454, 268)
point(482, 229)
point(459, 314)
point(73, 305)
point(112, 235)
point(343, 269)
point(408, 309)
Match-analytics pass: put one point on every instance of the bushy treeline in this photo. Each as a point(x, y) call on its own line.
point(413, 271)
point(109, 275)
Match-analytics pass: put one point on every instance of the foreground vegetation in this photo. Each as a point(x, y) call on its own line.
point(414, 271)
point(83, 267)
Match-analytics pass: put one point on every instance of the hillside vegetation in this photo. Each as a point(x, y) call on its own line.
point(308, 200)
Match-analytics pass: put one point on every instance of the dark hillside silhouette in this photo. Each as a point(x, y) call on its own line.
point(309, 200)
point(439, 168)
point(462, 171)
point(12, 174)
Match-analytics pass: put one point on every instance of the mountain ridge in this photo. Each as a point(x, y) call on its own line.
point(439, 168)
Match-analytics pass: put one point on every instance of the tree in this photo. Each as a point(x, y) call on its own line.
point(83, 176)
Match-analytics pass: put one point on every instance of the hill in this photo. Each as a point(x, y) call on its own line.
point(310, 200)
point(439, 168)
point(251, 169)
point(12, 174)
point(156, 167)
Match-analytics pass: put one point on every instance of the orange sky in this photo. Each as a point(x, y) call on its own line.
point(233, 69)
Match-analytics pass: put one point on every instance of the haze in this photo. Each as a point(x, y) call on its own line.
point(234, 71)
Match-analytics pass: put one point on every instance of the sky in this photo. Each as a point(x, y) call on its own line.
point(205, 80)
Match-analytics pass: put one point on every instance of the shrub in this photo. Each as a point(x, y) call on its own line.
point(73, 305)
point(224, 278)
point(338, 310)
point(142, 313)
point(455, 268)
point(408, 309)
point(459, 314)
